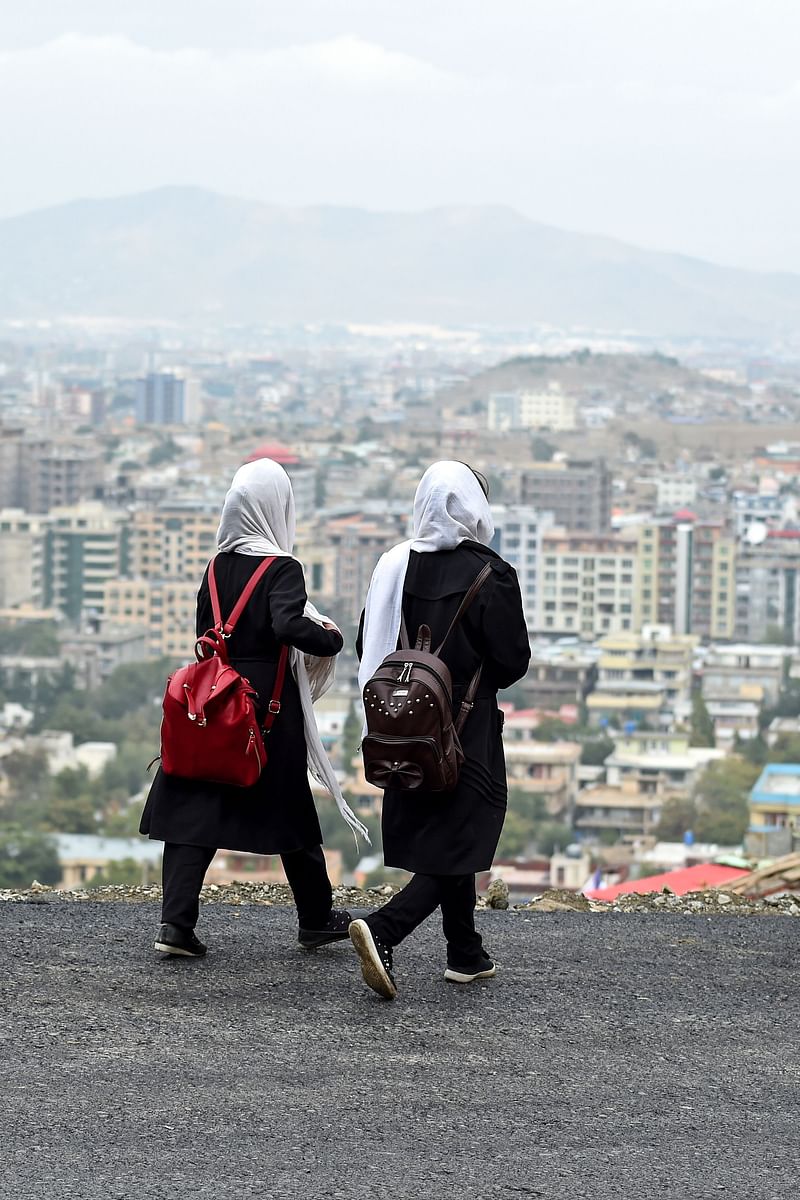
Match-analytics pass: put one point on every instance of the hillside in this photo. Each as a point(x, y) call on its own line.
point(186, 254)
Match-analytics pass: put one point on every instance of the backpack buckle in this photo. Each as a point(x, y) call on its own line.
point(274, 707)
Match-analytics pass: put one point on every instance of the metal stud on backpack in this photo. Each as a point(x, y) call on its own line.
point(412, 741)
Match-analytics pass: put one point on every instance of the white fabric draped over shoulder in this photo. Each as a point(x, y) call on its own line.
point(449, 508)
point(258, 518)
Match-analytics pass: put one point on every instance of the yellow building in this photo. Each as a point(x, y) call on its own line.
point(173, 541)
point(687, 573)
point(642, 674)
point(166, 608)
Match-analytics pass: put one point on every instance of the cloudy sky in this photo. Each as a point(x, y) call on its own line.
point(673, 124)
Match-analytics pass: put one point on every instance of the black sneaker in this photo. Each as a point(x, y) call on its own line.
point(483, 969)
point(376, 960)
point(334, 930)
point(172, 939)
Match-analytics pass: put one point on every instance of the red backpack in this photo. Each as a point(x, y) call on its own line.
point(209, 729)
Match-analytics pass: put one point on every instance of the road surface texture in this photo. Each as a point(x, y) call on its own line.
point(613, 1056)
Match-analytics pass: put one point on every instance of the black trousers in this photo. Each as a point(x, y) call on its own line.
point(422, 895)
point(184, 869)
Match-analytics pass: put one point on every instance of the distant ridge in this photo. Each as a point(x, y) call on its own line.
point(187, 254)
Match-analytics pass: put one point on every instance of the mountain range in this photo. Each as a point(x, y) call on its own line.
point(187, 254)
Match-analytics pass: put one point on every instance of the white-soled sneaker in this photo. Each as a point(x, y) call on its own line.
point(376, 960)
point(487, 970)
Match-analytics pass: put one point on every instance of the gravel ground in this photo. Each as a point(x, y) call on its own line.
point(615, 1054)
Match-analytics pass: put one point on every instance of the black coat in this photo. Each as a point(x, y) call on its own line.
point(276, 815)
point(456, 833)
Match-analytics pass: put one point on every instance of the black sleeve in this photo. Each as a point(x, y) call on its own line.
point(360, 636)
point(508, 648)
point(287, 599)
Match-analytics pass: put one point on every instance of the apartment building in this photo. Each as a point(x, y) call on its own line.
point(687, 575)
point(588, 585)
point(658, 765)
point(165, 608)
point(560, 675)
point(518, 539)
point(173, 541)
point(768, 585)
point(576, 492)
point(549, 769)
point(60, 474)
point(358, 541)
point(86, 545)
point(167, 398)
point(643, 676)
point(622, 810)
point(744, 672)
point(22, 551)
point(551, 409)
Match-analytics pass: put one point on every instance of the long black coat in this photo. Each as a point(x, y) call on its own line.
point(456, 833)
point(276, 815)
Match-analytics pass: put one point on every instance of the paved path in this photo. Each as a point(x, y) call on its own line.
point(615, 1056)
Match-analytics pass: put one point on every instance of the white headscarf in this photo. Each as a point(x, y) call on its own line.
point(258, 518)
point(449, 508)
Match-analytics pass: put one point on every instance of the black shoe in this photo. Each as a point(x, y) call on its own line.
point(483, 969)
point(172, 939)
point(334, 930)
point(376, 960)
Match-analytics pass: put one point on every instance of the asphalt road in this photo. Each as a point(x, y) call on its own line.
point(613, 1056)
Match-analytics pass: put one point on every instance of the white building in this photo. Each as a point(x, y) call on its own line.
point(551, 409)
point(588, 585)
point(518, 534)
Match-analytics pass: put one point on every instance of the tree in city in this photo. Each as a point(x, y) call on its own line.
point(678, 815)
point(701, 725)
point(26, 856)
point(722, 799)
point(595, 751)
point(27, 790)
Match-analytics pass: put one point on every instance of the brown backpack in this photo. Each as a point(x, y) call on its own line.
point(412, 741)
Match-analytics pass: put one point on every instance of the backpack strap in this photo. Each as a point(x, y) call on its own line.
point(275, 703)
point(472, 592)
point(226, 628)
point(468, 701)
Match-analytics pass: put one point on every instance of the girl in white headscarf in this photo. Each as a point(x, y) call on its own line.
point(444, 838)
point(276, 815)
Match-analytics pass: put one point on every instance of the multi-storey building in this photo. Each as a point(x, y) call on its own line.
point(165, 608)
point(687, 575)
point(12, 473)
point(740, 672)
point(587, 585)
point(577, 493)
point(551, 409)
point(518, 536)
point(173, 541)
point(548, 769)
point(22, 546)
point(358, 541)
point(86, 545)
point(643, 676)
point(768, 586)
point(60, 473)
point(167, 398)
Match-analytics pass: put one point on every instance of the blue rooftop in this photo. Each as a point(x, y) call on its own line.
point(777, 783)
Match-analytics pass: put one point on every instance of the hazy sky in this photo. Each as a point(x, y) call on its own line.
point(674, 124)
